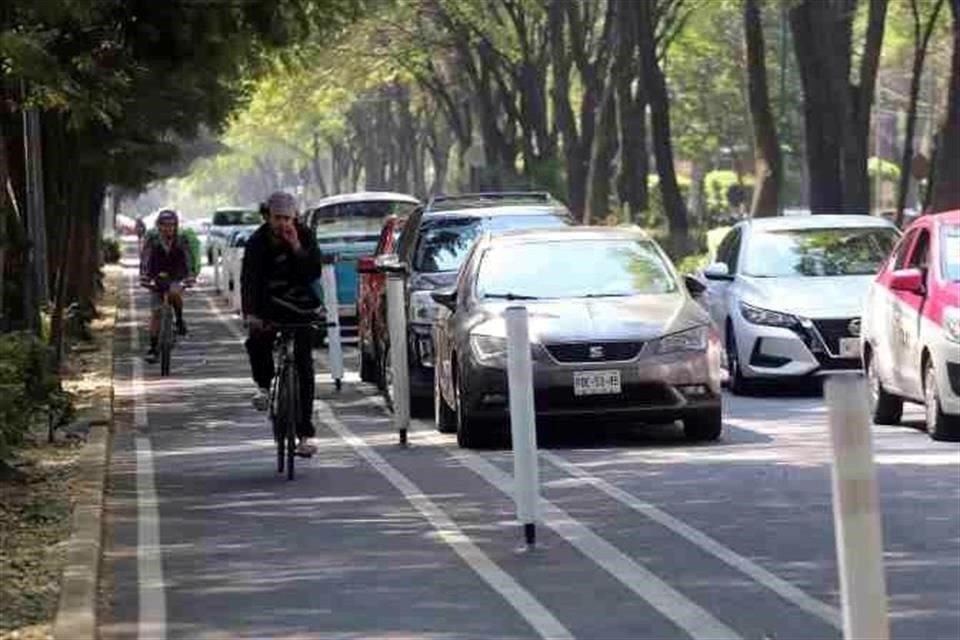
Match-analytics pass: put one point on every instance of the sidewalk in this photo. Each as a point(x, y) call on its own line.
point(76, 612)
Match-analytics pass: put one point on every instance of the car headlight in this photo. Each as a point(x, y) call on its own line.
point(422, 307)
point(489, 350)
point(951, 323)
point(756, 315)
point(690, 340)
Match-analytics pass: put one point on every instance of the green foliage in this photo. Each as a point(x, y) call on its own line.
point(28, 385)
point(883, 169)
point(717, 190)
point(111, 250)
point(655, 216)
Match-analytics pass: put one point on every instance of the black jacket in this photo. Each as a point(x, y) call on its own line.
point(271, 271)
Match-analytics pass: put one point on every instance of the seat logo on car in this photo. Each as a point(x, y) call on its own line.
point(854, 327)
point(596, 352)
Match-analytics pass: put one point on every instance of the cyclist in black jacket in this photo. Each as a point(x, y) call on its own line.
point(281, 261)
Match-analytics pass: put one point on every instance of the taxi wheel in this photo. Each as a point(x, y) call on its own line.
point(940, 426)
point(886, 408)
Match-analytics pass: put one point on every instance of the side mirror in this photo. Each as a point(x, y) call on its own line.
point(445, 297)
point(694, 286)
point(366, 264)
point(389, 263)
point(910, 280)
point(717, 271)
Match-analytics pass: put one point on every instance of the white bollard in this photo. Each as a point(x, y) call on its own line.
point(334, 339)
point(856, 512)
point(397, 324)
point(523, 422)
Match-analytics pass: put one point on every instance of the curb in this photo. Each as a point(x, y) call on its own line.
point(76, 615)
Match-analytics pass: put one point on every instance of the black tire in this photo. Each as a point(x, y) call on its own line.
point(470, 431)
point(291, 415)
point(737, 384)
point(444, 416)
point(703, 426)
point(940, 426)
point(165, 357)
point(368, 365)
point(210, 256)
point(885, 408)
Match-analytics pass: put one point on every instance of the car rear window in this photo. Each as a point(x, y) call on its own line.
point(445, 241)
point(618, 268)
point(236, 217)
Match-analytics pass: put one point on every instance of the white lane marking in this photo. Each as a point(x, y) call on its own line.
point(525, 603)
point(781, 587)
point(531, 609)
point(152, 598)
point(676, 607)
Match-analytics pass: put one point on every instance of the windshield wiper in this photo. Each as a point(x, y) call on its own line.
point(606, 295)
point(510, 296)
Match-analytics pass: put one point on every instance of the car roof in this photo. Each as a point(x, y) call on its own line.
point(237, 208)
point(828, 221)
point(445, 202)
point(527, 209)
point(523, 236)
point(365, 196)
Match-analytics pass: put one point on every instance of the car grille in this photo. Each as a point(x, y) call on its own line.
point(833, 330)
point(632, 395)
point(594, 351)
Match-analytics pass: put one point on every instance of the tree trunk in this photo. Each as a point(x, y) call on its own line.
point(656, 85)
point(632, 118)
point(836, 113)
point(315, 165)
point(946, 169)
point(603, 150)
point(767, 159)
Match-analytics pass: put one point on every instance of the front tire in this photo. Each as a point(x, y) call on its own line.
point(704, 426)
point(940, 426)
point(885, 408)
point(738, 385)
point(368, 365)
point(445, 417)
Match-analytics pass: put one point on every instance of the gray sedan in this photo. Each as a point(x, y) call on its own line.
point(614, 331)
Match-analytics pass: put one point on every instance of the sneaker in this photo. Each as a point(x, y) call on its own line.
point(152, 356)
point(181, 328)
point(306, 449)
point(261, 399)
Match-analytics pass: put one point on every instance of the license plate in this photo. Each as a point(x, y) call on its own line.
point(593, 383)
point(849, 347)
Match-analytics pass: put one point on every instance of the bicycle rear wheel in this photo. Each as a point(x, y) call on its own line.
point(291, 415)
point(165, 339)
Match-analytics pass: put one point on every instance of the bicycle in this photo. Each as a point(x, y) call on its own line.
point(167, 338)
point(284, 406)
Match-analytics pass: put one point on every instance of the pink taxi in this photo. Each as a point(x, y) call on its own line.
point(911, 327)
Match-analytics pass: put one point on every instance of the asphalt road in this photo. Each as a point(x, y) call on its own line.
point(643, 534)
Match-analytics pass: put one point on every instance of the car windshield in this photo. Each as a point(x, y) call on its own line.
point(445, 241)
point(818, 252)
point(615, 268)
point(352, 217)
point(950, 249)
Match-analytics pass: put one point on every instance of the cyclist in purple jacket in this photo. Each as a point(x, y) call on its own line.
point(166, 270)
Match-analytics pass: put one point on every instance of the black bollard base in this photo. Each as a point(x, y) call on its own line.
point(530, 534)
point(403, 437)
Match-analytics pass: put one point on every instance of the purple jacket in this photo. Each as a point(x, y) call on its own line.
point(173, 262)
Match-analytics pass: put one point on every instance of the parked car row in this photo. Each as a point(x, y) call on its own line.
point(809, 295)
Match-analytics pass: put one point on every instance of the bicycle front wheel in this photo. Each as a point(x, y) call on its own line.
point(291, 415)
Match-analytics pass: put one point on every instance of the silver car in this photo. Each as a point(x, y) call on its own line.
point(787, 293)
point(614, 333)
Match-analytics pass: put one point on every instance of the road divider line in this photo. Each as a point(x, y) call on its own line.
point(778, 585)
point(525, 603)
point(152, 624)
point(531, 609)
point(680, 610)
